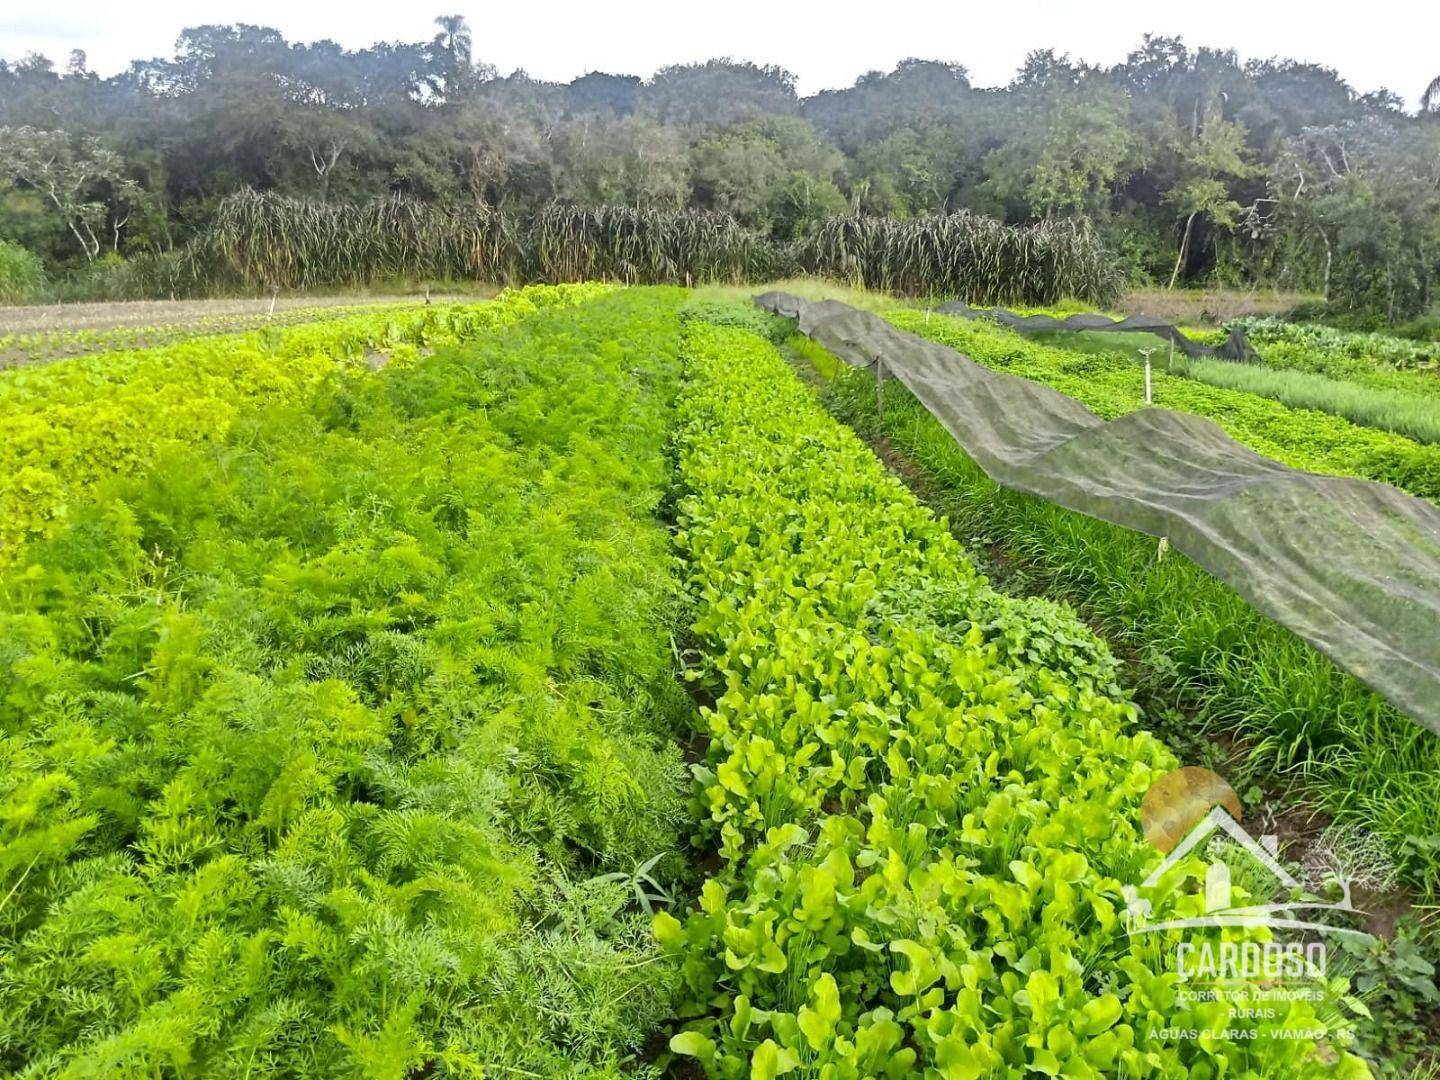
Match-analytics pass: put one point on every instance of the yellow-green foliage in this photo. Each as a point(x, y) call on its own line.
point(30, 346)
point(66, 426)
point(342, 747)
point(926, 794)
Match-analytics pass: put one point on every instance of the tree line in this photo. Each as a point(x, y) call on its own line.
point(1192, 166)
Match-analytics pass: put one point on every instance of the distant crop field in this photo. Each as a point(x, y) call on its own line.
point(38, 332)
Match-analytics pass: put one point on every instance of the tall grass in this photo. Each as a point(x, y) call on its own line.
point(965, 255)
point(635, 246)
point(1414, 415)
point(263, 241)
point(21, 273)
point(272, 241)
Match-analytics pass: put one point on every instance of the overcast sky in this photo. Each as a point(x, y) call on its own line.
point(1383, 43)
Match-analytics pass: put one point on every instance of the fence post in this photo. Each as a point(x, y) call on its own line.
point(880, 390)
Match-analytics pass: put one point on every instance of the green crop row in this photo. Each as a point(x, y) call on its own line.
point(1343, 354)
point(1387, 408)
point(924, 793)
point(345, 747)
point(1111, 384)
point(1199, 645)
point(67, 426)
point(1404, 402)
point(30, 346)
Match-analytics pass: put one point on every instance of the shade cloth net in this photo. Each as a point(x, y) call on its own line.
point(1350, 566)
point(1235, 347)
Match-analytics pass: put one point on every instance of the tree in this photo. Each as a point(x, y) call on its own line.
point(910, 171)
point(1072, 144)
point(75, 175)
point(630, 162)
point(718, 93)
point(918, 94)
point(772, 172)
point(599, 94)
point(454, 73)
point(314, 142)
point(1369, 192)
point(1430, 100)
point(1207, 160)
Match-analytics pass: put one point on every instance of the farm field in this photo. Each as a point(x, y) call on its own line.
point(321, 739)
point(1391, 386)
point(1110, 384)
point(1201, 649)
point(69, 427)
point(1203, 656)
point(560, 686)
point(51, 331)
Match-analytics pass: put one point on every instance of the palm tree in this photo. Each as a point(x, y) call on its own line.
point(1431, 98)
point(453, 46)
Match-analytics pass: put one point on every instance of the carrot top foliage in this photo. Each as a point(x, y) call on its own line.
point(334, 747)
point(67, 426)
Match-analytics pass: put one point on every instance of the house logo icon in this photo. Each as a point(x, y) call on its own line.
point(1181, 813)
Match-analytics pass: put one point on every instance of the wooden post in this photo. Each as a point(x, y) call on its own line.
point(1170, 364)
point(880, 390)
point(1149, 397)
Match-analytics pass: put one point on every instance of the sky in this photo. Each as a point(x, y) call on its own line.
point(1386, 43)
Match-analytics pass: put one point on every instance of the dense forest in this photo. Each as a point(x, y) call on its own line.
point(1193, 167)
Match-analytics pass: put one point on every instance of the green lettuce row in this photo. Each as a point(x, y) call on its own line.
point(66, 427)
point(924, 793)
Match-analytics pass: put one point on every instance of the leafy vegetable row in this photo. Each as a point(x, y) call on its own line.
point(1379, 359)
point(924, 793)
point(1223, 664)
point(67, 426)
point(344, 747)
point(1110, 384)
point(150, 330)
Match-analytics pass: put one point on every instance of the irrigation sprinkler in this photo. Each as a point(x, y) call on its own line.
point(1149, 397)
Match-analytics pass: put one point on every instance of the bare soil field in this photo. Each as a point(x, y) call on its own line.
point(1207, 307)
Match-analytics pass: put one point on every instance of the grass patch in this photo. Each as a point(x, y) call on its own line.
point(1413, 415)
